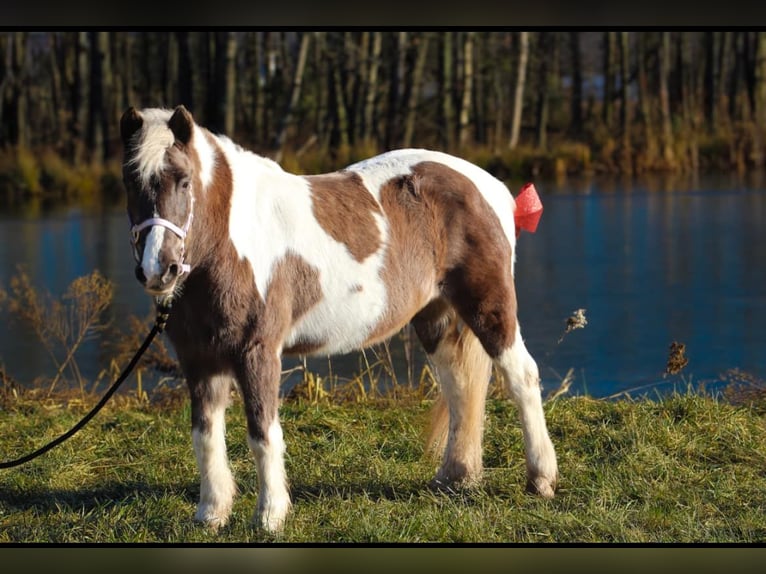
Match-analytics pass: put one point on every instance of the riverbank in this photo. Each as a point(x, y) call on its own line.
point(44, 172)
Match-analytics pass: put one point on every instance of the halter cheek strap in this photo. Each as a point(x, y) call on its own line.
point(181, 232)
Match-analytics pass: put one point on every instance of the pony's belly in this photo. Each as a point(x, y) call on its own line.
point(335, 326)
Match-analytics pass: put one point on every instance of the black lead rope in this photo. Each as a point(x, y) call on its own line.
point(163, 312)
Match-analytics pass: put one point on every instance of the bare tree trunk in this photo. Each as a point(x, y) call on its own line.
point(57, 93)
point(688, 101)
point(81, 96)
point(734, 93)
point(725, 76)
point(625, 115)
point(576, 123)
point(645, 107)
point(185, 71)
point(19, 129)
point(479, 103)
point(170, 68)
point(396, 76)
point(498, 89)
point(664, 73)
point(711, 80)
point(372, 88)
point(360, 86)
point(518, 95)
point(760, 99)
point(230, 83)
point(417, 81)
point(465, 107)
point(339, 109)
point(446, 86)
point(128, 96)
point(610, 67)
point(289, 117)
point(543, 94)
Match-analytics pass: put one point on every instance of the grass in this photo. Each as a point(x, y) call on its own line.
point(685, 469)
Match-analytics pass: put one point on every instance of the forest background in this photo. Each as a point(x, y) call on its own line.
point(521, 103)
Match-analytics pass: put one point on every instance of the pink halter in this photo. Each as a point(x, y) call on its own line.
point(179, 231)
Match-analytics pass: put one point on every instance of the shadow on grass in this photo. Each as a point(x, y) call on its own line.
point(111, 494)
point(401, 491)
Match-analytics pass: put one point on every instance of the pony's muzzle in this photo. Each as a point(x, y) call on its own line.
point(162, 282)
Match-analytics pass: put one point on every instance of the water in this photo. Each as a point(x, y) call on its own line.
point(651, 262)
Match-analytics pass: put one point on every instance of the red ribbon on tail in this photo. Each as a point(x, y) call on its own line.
point(529, 208)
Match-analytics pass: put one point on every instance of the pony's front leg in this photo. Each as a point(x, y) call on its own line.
point(209, 399)
point(259, 382)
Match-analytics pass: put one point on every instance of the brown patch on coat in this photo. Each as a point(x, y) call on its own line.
point(344, 208)
point(444, 239)
point(293, 290)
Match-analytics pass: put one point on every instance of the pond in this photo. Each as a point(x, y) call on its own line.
point(651, 262)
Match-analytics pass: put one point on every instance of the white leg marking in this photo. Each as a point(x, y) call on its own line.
point(151, 260)
point(273, 497)
point(217, 486)
point(522, 381)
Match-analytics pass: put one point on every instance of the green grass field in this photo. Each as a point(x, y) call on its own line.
point(686, 469)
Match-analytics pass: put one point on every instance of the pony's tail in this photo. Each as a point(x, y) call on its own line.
point(463, 369)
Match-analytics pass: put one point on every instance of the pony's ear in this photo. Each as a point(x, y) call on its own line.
point(130, 123)
point(180, 123)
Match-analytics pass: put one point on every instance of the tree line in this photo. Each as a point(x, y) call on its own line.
point(636, 100)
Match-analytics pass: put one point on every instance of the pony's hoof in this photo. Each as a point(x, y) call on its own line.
point(541, 486)
point(270, 522)
point(449, 485)
point(272, 518)
point(210, 519)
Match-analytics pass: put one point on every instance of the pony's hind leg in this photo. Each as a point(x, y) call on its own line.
point(463, 370)
point(209, 399)
point(522, 383)
point(485, 298)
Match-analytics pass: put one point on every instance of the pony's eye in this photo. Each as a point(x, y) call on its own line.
point(185, 184)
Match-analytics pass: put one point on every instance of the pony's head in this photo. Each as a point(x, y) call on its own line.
point(158, 173)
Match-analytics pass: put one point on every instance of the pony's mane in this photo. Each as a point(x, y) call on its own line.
point(151, 143)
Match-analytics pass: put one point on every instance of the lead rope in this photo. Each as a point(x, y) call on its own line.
point(163, 313)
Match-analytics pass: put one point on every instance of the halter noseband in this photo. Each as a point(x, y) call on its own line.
point(181, 232)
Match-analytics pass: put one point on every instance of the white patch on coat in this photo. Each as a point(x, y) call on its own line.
point(152, 246)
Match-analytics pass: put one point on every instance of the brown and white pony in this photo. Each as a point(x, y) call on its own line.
point(260, 263)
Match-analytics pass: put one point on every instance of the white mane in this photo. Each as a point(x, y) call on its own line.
point(155, 137)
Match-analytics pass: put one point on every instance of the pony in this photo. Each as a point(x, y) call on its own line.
point(261, 263)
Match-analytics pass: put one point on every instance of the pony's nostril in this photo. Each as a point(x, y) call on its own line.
point(140, 274)
point(172, 272)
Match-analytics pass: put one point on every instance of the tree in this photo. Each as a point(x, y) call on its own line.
point(624, 52)
point(518, 95)
point(760, 98)
point(288, 118)
point(667, 127)
point(467, 92)
point(371, 91)
point(610, 72)
point(576, 120)
point(417, 82)
point(446, 89)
